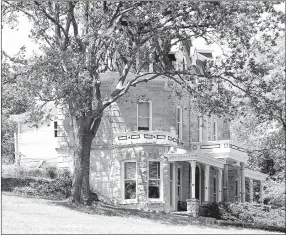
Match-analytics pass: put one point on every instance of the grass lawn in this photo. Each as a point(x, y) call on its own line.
point(40, 216)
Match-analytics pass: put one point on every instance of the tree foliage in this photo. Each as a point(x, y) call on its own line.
point(80, 41)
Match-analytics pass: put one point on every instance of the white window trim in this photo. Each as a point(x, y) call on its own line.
point(123, 200)
point(180, 136)
point(150, 114)
point(160, 199)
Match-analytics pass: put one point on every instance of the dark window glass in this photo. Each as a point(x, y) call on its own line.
point(143, 116)
point(154, 179)
point(130, 180)
point(171, 183)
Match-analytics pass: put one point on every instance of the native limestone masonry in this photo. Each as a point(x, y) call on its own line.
point(153, 151)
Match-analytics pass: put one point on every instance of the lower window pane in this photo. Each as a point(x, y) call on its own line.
point(130, 190)
point(154, 192)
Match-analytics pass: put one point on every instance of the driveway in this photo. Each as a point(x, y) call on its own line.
point(39, 216)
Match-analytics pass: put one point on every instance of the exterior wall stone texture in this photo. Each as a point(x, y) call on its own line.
point(106, 175)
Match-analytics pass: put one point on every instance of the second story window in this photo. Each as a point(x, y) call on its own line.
point(144, 116)
point(180, 122)
point(214, 129)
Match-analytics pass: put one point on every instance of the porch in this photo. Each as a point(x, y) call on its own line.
point(194, 179)
point(199, 178)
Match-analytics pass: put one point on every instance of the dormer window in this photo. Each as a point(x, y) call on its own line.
point(144, 117)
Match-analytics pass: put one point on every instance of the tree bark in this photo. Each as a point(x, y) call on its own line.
point(82, 146)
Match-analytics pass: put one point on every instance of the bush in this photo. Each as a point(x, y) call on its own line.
point(251, 213)
point(211, 210)
point(51, 172)
point(58, 188)
point(275, 193)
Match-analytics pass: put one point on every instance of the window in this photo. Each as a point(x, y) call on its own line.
point(209, 127)
point(56, 129)
point(154, 181)
point(196, 124)
point(214, 130)
point(203, 128)
point(130, 180)
point(171, 183)
point(236, 188)
point(215, 189)
point(179, 122)
point(179, 184)
point(144, 117)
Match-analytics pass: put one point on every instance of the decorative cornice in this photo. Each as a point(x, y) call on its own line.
point(202, 158)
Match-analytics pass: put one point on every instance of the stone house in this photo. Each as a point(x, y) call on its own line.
point(153, 150)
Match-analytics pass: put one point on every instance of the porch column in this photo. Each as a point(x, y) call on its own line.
point(250, 190)
point(261, 193)
point(175, 186)
point(193, 203)
point(193, 181)
point(219, 184)
point(242, 164)
point(225, 182)
point(207, 179)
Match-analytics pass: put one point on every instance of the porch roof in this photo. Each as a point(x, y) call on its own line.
point(256, 175)
point(183, 155)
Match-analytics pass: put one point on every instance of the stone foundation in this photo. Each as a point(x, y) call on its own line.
point(193, 207)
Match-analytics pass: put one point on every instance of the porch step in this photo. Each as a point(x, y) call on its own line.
point(180, 213)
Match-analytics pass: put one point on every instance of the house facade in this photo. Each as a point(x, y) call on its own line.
point(153, 150)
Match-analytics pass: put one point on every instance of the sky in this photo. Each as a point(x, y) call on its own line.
point(14, 39)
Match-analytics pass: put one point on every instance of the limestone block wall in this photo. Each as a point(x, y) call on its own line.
point(106, 175)
point(121, 116)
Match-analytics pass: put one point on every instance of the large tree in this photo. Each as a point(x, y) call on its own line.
point(79, 41)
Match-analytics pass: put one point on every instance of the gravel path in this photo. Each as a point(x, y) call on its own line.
point(39, 216)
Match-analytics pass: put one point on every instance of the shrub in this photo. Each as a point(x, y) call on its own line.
point(275, 193)
point(51, 172)
point(58, 188)
point(250, 213)
point(35, 172)
point(212, 210)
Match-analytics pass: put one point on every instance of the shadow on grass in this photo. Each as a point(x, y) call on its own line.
point(101, 208)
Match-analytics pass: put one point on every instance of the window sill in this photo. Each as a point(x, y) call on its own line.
point(156, 201)
point(130, 201)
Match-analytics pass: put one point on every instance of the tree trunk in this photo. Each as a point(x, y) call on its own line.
point(82, 146)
